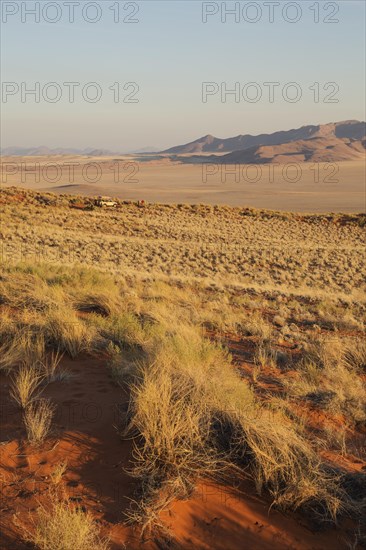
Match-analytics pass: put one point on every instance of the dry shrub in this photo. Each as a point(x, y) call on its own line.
point(283, 462)
point(37, 420)
point(329, 378)
point(61, 526)
point(171, 418)
point(25, 385)
point(26, 290)
point(196, 417)
point(256, 325)
point(121, 364)
point(50, 366)
point(58, 472)
point(68, 333)
point(21, 345)
point(103, 303)
point(171, 414)
point(147, 512)
point(354, 356)
point(265, 356)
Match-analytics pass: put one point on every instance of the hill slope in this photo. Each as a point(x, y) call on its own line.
point(351, 129)
point(317, 149)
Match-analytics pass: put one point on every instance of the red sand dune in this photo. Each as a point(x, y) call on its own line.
point(85, 437)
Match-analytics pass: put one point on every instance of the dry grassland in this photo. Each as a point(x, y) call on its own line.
point(234, 340)
point(309, 255)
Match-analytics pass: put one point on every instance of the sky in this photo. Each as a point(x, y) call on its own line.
point(173, 68)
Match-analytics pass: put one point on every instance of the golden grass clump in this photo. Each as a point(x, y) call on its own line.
point(26, 385)
point(61, 526)
point(197, 417)
point(37, 420)
point(354, 356)
point(58, 472)
point(265, 356)
point(20, 345)
point(68, 333)
point(50, 367)
point(329, 378)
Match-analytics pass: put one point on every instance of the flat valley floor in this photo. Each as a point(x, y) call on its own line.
point(309, 187)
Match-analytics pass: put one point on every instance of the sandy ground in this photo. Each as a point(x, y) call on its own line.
point(85, 437)
point(305, 187)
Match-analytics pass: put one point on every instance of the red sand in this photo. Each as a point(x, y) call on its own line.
point(85, 436)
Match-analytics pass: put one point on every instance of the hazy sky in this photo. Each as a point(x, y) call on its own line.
point(169, 53)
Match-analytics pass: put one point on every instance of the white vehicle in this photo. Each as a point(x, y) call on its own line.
point(105, 202)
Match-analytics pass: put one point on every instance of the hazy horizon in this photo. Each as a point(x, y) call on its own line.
point(154, 148)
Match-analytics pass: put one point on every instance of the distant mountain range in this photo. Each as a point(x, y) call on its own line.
point(44, 151)
point(321, 149)
point(352, 129)
point(336, 141)
point(332, 142)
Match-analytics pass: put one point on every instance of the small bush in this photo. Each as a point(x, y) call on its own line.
point(265, 356)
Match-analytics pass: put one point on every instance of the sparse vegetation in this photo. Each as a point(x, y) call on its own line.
point(257, 376)
point(262, 250)
point(330, 380)
point(196, 417)
point(265, 356)
point(58, 472)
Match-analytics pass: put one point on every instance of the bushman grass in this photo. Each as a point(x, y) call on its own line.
point(37, 420)
point(62, 526)
point(197, 417)
point(26, 385)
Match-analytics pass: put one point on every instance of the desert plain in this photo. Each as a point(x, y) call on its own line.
point(291, 186)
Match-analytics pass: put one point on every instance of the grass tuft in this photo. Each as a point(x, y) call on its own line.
point(37, 420)
point(61, 526)
point(26, 385)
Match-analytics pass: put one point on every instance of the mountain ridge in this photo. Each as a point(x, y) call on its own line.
point(352, 129)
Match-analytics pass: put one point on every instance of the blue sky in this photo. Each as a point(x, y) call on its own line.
point(169, 53)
